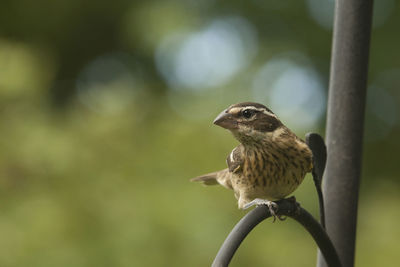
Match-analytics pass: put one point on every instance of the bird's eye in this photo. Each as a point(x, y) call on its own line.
point(247, 113)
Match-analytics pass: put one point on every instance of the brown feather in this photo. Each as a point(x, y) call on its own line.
point(222, 177)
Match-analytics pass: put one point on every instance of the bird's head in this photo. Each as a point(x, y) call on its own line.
point(249, 122)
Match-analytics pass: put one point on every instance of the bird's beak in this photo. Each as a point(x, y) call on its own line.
point(226, 120)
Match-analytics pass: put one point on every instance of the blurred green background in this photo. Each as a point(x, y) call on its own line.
point(106, 112)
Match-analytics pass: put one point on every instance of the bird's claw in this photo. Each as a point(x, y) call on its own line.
point(272, 206)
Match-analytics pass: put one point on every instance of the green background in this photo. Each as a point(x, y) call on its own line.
point(106, 112)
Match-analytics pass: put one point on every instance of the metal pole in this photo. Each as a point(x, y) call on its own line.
point(288, 207)
point(345, 122)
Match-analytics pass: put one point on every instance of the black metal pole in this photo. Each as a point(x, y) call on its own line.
point(345, 119)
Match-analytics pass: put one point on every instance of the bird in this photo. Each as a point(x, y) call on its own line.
point(269, 163)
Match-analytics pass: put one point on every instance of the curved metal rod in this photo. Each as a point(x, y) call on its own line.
point(287, 207)
point(317, 145)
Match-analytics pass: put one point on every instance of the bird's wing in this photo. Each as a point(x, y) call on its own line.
point(222, 177)
point(235, 160)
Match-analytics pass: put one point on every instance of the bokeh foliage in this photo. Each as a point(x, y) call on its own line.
point(99, 135)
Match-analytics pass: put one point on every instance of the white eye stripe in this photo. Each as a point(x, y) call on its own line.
point(269, 113)
point(237, 110)
point(260, 110)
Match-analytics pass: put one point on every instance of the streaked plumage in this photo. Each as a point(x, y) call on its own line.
point(269, 163)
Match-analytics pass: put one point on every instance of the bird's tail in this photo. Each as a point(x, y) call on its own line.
point(214, 178)
point(207, 179)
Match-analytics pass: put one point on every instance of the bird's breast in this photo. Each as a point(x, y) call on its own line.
point(272, 171)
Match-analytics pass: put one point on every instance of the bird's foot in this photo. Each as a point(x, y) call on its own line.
point(272, 206)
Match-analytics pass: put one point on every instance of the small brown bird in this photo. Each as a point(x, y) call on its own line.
point(270, 162)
